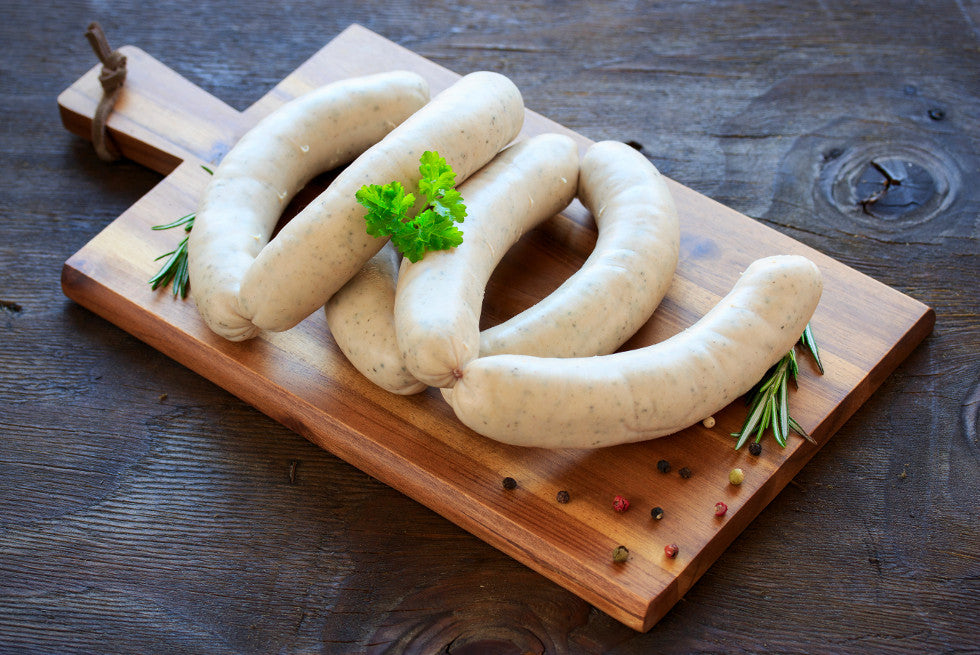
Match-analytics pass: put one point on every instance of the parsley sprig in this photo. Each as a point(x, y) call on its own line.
point(768, 400)
point(174, 270)
point(434, 227)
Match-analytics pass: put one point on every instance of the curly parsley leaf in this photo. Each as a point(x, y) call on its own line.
point(387, 205)
point(434, 227)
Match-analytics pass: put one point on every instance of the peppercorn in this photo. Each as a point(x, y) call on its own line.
point(663, 466)
point(657, 513)
point(685, 473)
point(562, 497)
point(620, 554)
point(709, 422)
point(720, 508)
point(620, 504)
point(735, 476)
point(510, 483)
point(670, 550)
point(755, 448)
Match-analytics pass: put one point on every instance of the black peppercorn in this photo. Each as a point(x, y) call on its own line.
point(510, 483)
point(562, 497)
point(663, 466)
point(657, 513)
point(685, 472)
point(755, 448)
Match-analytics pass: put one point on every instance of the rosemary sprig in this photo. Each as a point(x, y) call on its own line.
point(768, 402)
point(174, 270)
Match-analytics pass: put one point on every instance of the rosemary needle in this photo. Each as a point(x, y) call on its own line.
point(808, 341)
point(174, 271)
point(768, 402)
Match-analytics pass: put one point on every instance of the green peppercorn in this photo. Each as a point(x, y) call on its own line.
point(663, 466)
point(657, 513)
point(736, 476)
point(510, 483)
point(620, 554)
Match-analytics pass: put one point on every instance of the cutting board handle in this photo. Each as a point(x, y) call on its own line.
point(160, 118)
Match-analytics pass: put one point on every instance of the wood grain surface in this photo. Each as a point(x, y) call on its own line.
point(145, 510)
point(301, 378)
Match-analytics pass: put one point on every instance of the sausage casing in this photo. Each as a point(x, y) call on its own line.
point(361, 318)
point(440, 297)
point(588, 402)
point(623, 280)
point(326, 243)
point(254, 182)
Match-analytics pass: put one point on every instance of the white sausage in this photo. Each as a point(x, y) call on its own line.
point(625, 277)
point(316, 132)
point(587, 402)
point(439, 298)
point(326, 243)
point(361, 318)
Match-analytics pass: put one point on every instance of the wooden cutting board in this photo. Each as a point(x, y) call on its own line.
point(415, 444)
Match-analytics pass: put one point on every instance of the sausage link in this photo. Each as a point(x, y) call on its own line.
point(316, 132)
point(625, 277)
point(440, 297)
point(326, 243)
point(361, 318)
point(588, 402)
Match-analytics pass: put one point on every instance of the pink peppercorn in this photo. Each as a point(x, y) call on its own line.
point(620, 504)
point(720, 509)
point(670, 550)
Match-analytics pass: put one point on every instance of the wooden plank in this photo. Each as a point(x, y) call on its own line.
point(415, 444)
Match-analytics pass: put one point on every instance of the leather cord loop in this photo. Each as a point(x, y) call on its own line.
point(112, 77)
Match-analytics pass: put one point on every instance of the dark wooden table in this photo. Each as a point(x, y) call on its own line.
point(143, 509)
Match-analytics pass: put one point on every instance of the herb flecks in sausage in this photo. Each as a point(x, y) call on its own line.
point(242, 204)
point(325, 244)
point(439, 299)
point(361, 319)
point(634, 395)
point(623, 280)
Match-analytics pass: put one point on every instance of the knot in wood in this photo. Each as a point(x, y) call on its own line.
point(888, 187)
